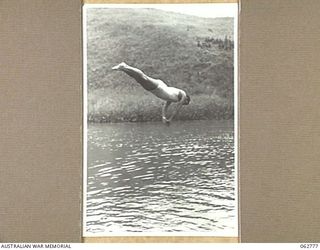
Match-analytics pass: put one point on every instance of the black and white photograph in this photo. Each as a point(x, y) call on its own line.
point(160, 119)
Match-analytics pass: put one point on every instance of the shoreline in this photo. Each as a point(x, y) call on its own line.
point(156, 121)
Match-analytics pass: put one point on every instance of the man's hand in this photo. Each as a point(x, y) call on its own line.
point(165, 120)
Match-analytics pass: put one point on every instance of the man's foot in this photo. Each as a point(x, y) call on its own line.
point(120, 66)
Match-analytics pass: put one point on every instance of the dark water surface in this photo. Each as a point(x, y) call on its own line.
point(146, 177)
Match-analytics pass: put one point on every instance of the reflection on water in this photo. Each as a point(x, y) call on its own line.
point(146, 177)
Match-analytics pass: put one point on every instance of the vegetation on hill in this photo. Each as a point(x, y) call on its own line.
point(169, 46)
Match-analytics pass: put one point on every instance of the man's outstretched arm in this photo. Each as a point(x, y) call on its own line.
point(164, 111)
point(179, 106)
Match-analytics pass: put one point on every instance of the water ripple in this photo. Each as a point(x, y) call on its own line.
point(150, 178)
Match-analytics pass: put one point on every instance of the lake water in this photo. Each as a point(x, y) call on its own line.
point(150, 178)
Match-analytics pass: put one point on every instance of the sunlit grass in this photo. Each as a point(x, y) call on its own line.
point(112, 107)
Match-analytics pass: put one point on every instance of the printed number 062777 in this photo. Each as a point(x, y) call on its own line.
point(308, 245)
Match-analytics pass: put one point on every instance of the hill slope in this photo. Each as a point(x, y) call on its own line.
point(164, 45)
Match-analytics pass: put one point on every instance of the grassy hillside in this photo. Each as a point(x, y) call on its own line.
point(164, 45)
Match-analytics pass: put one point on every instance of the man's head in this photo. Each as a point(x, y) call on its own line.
point(187, 100)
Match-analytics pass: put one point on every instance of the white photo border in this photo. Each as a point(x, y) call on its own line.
point(227, 233)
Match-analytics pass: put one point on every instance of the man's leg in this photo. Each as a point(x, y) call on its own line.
point(145, 81)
